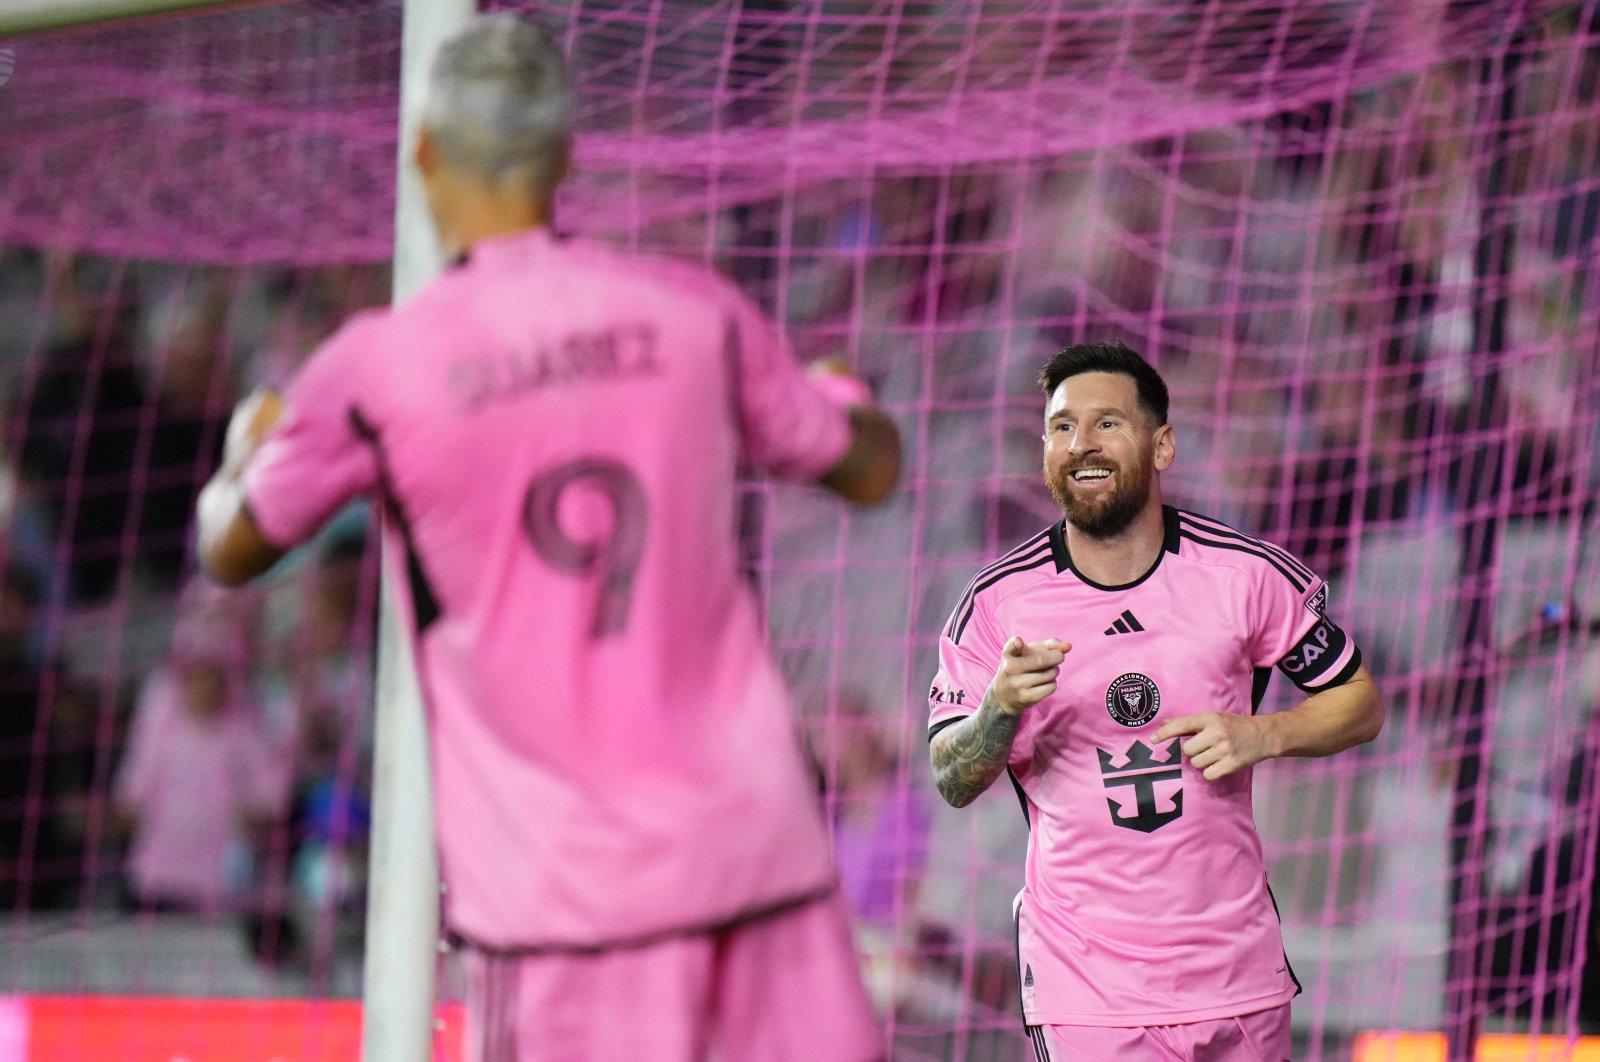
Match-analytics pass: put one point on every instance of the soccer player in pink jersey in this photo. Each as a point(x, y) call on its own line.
point(635, 859)
point(1113, 665)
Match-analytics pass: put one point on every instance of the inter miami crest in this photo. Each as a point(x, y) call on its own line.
point(1133, 699)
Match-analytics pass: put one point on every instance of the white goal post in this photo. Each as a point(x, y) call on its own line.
point(403, 881)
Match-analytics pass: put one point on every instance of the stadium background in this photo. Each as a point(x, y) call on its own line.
point(1358, 237)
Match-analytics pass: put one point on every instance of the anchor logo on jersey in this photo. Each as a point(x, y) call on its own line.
point(1142, 771)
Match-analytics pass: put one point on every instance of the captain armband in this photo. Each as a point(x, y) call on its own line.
point(1323, 659)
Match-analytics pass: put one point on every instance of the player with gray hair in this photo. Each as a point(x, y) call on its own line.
point(500, 105)
point(636, 858)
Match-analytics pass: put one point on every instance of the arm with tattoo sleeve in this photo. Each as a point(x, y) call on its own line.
point(968, 756)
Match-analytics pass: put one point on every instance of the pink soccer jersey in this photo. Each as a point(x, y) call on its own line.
point(556, 429)
point(190, 785)
point(1144, 897)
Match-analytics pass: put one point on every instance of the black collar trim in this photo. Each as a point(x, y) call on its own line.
point(1063, 557)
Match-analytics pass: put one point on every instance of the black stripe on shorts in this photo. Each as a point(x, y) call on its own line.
point(1041, 1050)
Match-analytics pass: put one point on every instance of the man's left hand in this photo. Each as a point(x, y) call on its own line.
point(1222, 743)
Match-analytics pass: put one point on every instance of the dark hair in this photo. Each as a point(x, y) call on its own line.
point(1108, 357)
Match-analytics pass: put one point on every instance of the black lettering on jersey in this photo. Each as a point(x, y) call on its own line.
point(1309, 664)
point(942, 696)
point(620, 352)
point(636, 350)
point(1142, 771)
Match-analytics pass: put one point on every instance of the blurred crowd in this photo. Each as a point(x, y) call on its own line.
point(167, 745)
point(1355, 312)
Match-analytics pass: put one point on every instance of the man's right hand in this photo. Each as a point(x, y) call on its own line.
point(968, 755)
point(1027, 673)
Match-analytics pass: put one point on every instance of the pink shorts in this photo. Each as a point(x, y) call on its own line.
point(783, 987)
point(1259, 1037)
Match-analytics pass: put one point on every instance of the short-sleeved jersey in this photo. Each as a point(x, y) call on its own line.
point(556, 429)
point(1145, 897)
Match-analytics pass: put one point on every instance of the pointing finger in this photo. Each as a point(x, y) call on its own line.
point(1183, 724)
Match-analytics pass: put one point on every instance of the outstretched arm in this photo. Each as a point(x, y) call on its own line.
point(969, 755)
point(232, 548)
point(1323, 724)
point(870, 468)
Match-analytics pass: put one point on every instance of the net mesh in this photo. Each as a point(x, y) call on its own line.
point(1358, 238)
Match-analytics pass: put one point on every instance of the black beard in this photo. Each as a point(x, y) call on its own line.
point(1104, 519)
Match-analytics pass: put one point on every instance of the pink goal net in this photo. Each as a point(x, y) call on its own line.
point(1360, 238)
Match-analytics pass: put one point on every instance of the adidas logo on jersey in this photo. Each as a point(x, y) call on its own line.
point(1125, 624)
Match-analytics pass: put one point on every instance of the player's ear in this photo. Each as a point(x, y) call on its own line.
point(426, 153)
point(1166, 448)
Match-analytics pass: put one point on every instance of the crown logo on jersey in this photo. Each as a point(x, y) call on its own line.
point(1141, 772)
point(1141, 757)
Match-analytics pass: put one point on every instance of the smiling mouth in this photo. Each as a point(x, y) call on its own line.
point(1091, 475)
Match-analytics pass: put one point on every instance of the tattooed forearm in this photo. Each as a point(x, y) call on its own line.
point(969, 755)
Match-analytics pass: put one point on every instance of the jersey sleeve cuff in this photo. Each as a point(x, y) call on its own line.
point(273, 531)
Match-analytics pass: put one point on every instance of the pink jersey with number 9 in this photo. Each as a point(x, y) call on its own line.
point(555, 429)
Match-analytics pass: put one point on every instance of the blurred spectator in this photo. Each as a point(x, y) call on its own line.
point(80, 437)
point(1368, 468)
point(193, 391)
point(332, 813)
point(317, 692)
point(880, 837)
point(72, 823)
point(21, 697)
point(328, 665)
point(1540, 846)
point(115, 450)
point(199, 783)
point(319, 696)
point(880, 826)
